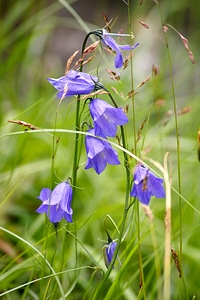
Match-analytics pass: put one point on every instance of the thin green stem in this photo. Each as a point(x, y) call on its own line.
point(76, 152)
point(132, 86)
point(141, 284)
point(77, 127)
point(177, 130)
point(157, 260)
point(167, 257)
point(76, 144)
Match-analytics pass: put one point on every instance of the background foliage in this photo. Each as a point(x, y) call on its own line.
point(36, 39)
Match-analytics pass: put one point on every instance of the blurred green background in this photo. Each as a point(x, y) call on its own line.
point(36, 39)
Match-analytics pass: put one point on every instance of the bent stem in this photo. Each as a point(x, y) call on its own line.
point(77, 122)
point(77, 126)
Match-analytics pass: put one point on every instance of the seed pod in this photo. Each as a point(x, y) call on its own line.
point(176, 261)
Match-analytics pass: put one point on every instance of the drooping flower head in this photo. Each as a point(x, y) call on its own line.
point(146, 184)
point(109, 250)
point(106, 38)
point(57, 203)
point(106, 118)
point(99, 153)
point(74, 83)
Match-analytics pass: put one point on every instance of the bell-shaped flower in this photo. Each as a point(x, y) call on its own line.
point(146, 184)
point(99, 153)
point(74, 83)
point(109, 252)
point(57, 203)
point(106, 118)
point(106, 38)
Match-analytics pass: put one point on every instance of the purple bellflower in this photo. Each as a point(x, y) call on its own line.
point(99, 153)
point(57, 203)
point(74, 83)
point(106, 38)
point(109, 252)
point(146, 184)
point(106, 118)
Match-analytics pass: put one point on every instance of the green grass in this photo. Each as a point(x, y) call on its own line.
point(39, 261)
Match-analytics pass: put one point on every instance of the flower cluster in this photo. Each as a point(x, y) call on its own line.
point(106, 118)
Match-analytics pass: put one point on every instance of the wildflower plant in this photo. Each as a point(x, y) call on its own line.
point(110, 137)
point(105, 119)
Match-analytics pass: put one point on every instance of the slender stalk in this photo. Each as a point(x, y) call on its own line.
point(157, 260)
point(77, 123)
point(77, 128)
point(167, 257)
point(177, 134)
point(141, 284)
point(77, 156)
point(132, 85)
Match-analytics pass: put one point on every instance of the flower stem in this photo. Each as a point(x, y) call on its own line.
point(125, 212)
point(141, 284)
point(177, 140)
point(77, 126)
point(76, 154)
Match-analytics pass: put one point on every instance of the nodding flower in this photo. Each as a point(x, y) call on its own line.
point(107, 39)
point(106, 118)
point(57, 203)
point(100, 153)
point(74, 83)
point(146, 184)
point(109, 250)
